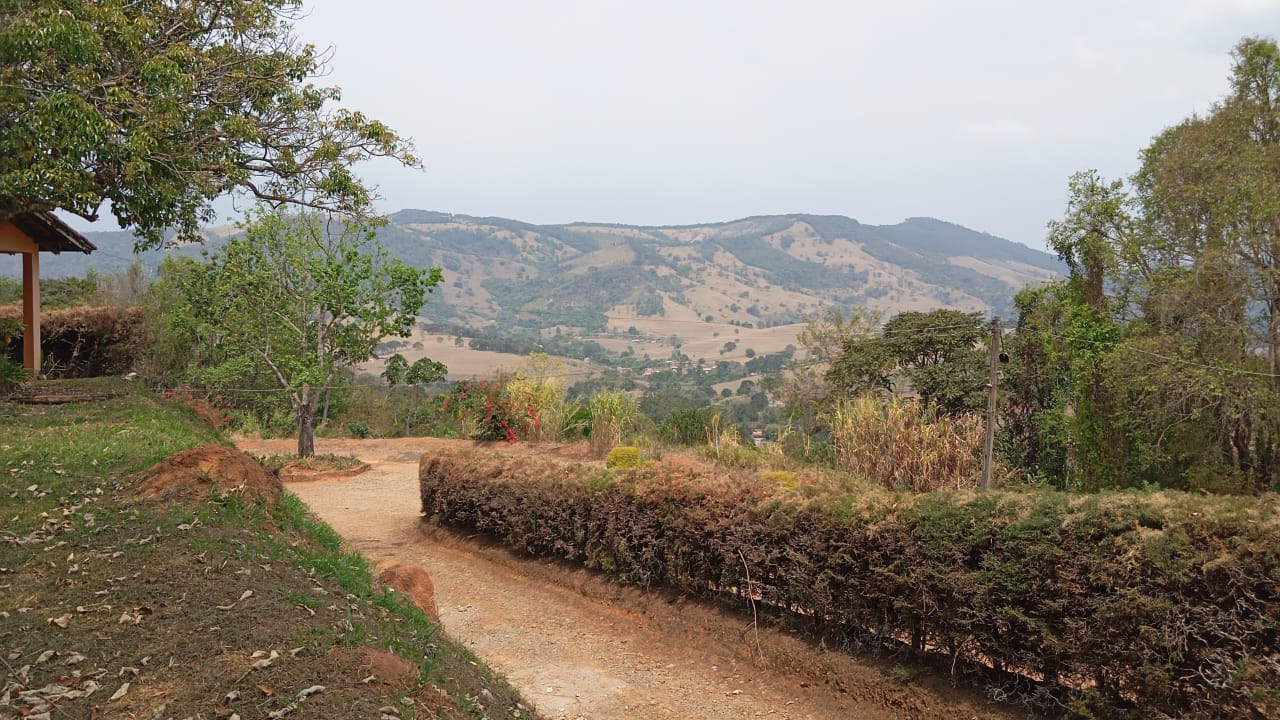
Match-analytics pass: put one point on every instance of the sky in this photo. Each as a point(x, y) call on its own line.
point(679, 112)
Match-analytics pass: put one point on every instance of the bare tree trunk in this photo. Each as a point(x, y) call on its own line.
point(305, 407)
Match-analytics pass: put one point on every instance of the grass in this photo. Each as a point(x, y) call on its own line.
point(165, 605)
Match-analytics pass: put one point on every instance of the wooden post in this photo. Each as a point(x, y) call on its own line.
point(993, 381)
point(31, 311)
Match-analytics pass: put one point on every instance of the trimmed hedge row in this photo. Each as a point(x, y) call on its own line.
point(1112, 605)
point(81, 341)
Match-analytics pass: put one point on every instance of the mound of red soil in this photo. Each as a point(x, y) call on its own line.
point(196, 473)
point(383, 666)
point(415, 583)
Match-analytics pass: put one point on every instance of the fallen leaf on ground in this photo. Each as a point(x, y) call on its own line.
point(124, 690)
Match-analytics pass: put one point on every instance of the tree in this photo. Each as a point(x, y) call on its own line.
point(1092, 236)
point(806, 388)
point(158, 107)
point(1160, 356)
point(303, 299)
point(937, 351)
point(1095, 226)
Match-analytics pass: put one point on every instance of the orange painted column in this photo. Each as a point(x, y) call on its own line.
point(31, 311)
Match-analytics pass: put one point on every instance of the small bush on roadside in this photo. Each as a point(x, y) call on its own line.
point(488, 411)
point(359, 429)
point(12, 374)
point(623, 457)
point(785, 478)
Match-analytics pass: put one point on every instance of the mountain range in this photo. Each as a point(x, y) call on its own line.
point(754, 272)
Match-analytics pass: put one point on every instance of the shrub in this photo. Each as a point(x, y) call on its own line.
point(623, 457)
point(12, 374)
point(688, 426)
point(785, 478)
point(489, 411)
point(1135, 605)
point(82, 341)
point(359, 429)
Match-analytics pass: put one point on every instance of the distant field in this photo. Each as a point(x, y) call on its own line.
point(698, 340)
point(466, 364)
point(701, 339)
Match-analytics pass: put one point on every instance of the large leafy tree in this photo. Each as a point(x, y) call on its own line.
point(937, 352)
point(1164, 344)
point(157, 107)
point(301, 300)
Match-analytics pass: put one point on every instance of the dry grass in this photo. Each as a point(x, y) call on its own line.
point(902, 445)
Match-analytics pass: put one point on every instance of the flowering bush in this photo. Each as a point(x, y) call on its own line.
point(491, 410)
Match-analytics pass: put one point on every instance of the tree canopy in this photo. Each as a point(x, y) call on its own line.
point(1158, 361)
point(937, 352)
point(299, 301)
point(157, 108)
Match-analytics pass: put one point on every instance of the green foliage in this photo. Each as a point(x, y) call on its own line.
point(489, 411)
point(936, 351)
point(396, 369)
point(12, 374)
point(158, 108)
point(689, 425)
point(1158, 362)
point(299, 302)
point(10, 291)
point(612, 416)
point(623, 457)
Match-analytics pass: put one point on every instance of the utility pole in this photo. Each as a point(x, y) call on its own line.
point(993, 381)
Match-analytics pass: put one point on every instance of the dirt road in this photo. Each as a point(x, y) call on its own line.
point(579, 647)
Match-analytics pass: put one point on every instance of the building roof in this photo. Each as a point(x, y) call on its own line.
point(51, 234)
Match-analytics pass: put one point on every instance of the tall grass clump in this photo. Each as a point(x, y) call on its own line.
point(904, 445)
point(544, 404)
point(612, 415)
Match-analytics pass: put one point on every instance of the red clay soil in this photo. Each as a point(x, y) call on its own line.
point(197, 473)
point(379, 665)
point(414, 582)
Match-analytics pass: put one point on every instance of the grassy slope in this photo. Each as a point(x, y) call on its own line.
point(123, 591)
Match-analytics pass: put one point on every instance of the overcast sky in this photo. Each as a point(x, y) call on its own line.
point(673, 112)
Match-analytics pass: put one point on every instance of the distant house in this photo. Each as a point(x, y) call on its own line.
point(30, 234)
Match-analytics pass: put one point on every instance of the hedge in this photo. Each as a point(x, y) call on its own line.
point(80, 341)
point(1110, 605)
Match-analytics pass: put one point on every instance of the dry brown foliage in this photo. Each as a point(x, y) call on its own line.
point(85, 341)
point(1129, 605)
point(901, 445)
